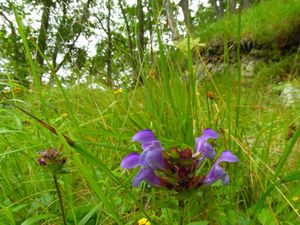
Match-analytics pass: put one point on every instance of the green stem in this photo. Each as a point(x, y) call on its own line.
point(60, 200)
point(181, 211)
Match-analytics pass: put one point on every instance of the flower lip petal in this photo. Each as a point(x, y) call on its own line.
point(216, 173)
point(147, 174)
point(131, 161)
point(201, 142)
point(207, 134)
point(152, 156)
point(225, 179)
point(210, 133)
point(153, 144)
point(227, 156)
point(144, 136)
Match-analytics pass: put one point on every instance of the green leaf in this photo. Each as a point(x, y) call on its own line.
point(88, 216)
point(204, 222)
point(295, 175)
point(265, 217)
point(35, 219)
point(19, 207)
point(186, 194)
point(169, 203)
point(283, 158)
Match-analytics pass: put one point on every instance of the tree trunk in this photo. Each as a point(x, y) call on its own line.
point(232, 5)
point(215, 6)
point(171, 20)
point(130, 45)
point(140, 29)
point(245, 4)
point(109, 45)
point(184, 4)
point(16, 55)
point(221, 8)
point(58, 39)
point(42, 38)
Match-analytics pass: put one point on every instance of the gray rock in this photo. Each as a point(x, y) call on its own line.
point(290, 93)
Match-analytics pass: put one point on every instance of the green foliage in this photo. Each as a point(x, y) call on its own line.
point(264, 187)
point(269, 22)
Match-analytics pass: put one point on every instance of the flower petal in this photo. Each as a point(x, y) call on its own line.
point(208, 151)
point(215, 173)
point(227, 156)
point(147, 174)
point(42, 161)
point(203, 147)
point(144, 136)
point(225, 179)
point(210, 133)
point(131, 161)
point(152, 156)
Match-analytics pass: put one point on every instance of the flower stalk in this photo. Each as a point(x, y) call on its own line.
point(181, 211)
point(53, 162)
point(59, 195)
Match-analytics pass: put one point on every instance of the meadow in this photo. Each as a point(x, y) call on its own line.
point(247, 113)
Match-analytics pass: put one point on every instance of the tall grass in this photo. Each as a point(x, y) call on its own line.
point(264, 184)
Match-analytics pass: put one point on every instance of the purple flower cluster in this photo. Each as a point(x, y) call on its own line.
point(176, 168)
point(52, 159)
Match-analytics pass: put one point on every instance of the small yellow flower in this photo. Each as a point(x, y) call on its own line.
point(144, 221)
point(118, 91)
point(295, 198)
point(63, 115)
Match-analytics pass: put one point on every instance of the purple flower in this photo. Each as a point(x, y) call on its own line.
point(176, 168)
point(147, 174)
point(203, 147)
point(145, 137)
point(152, 156)
point(131, 161)
point(150, 159)
point(217, 172)
point(42, 161)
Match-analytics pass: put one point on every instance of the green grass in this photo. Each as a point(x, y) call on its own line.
point(106, 123)
point(269, 22)
point(264, 186)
